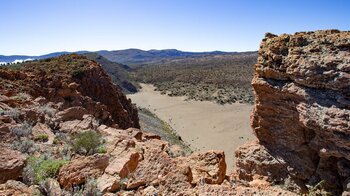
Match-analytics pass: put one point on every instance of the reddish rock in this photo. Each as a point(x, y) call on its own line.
point(43, 129)
point(153, 169)
point(98, 85)
point(78, 170)
point(255, 162)
point(11, 164)
point(73, 81)
point(51, 187)
point(72, 113)
point(12, 187)
point(88, 122)
point(209, 167)
point(301, 112)
point(123, 165)
point(108, 183)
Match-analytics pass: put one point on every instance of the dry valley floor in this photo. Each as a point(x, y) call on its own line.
point(203, 125)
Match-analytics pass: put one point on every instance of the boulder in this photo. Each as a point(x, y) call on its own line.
point(108, 183)
point(12, 187)
point(11, 164)
point(208, 167)
point(88, 122)
point(50, 187)
point(43, 129)
point(123, 165)
point(154, 168)
point(72, 113)
point(255, 162)
point(79, 169)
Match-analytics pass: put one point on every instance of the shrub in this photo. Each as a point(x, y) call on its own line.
point(41, 137)
point(56, 140)
point(24, 145)
point(66, 152)
point(87, 142)
point(22, 96)
point(318, 189)
point(41, 168)
point(46, 109)
point(90, 188)
point(22, 131)
point(101, 149)
point(78, 73)
point(13, 113)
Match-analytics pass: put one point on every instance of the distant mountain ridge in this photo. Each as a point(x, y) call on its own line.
point(128, 56)
point(140, 57)
point(12, 58)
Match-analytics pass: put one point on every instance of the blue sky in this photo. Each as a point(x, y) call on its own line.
point(36, 27)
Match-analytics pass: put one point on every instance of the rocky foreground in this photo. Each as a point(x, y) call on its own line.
point(67, 130)
point(302, 113)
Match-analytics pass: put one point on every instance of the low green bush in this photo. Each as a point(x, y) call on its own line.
point(42, 137)
point(87, 143)
point(101, 149)
point(40, 168)
point(78, 73)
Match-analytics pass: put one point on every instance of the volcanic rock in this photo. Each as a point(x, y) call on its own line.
point(11, 164)
point(302, 110)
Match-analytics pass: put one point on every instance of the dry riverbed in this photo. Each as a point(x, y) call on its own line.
point(203, 125)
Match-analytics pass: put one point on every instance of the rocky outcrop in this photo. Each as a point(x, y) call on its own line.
point(81, 168)
point(302, 112)
point(11, 164)
point(75, 82)
point(97, 85)
point(209, 167)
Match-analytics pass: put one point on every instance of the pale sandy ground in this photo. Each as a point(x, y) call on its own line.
point(204, 125)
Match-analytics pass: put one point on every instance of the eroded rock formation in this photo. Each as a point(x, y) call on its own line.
point(302, 112)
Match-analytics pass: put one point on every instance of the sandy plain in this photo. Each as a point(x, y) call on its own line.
point(204, 125)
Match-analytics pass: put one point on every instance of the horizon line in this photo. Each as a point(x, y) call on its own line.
point(87, 51)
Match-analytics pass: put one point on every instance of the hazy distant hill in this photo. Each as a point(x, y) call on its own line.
point(129, 57)
point(139, 57)
point(119, 73)
point(12, 58)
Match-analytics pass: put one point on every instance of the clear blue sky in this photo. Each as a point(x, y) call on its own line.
point(36, 27)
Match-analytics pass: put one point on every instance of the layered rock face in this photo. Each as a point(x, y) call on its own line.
point(302, 112)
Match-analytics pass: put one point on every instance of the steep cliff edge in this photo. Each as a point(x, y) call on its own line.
point(302, 112)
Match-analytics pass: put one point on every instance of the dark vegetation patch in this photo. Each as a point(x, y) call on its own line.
point(218, 78)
